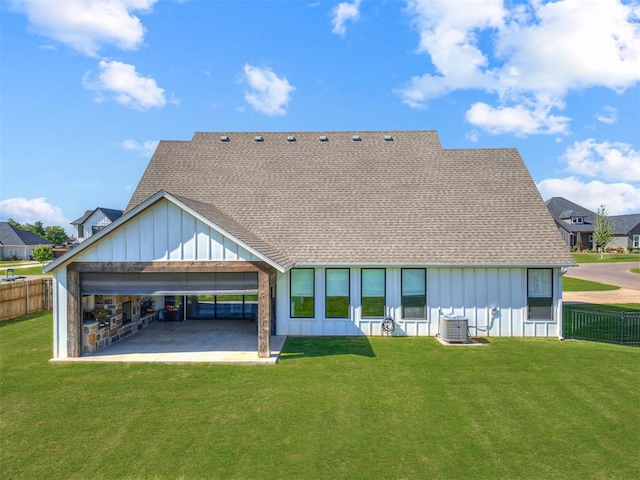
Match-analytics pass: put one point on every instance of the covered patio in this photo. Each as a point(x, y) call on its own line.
point(191, 341)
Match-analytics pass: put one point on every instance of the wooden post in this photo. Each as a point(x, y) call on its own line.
point(74, 315)
point(264, 315)
point(26, 295)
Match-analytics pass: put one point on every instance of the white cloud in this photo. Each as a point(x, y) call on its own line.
point(342, 13)
point(268, 93)
point(24, 210)
point(619, 198)
point(146, 148)
point(571, 44)
point(530, 56)
point(519, 120)
point(608, 115)
point(126, 85)
point(87, 25)
point(606, 160)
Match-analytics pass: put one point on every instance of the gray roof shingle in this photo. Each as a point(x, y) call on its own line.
point(623, 224)
point(372, 201)
point(10, 235)
point(111, 213)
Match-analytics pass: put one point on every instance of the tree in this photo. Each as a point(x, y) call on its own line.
point(42, 253)
point(602, 229)
point(36, 228)
point(56, 235)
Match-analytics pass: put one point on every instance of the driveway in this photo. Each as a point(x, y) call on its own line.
point(611, 273)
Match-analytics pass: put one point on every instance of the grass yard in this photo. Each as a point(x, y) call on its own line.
point(20, 267)
point(607, 257)
point(332, 408)
point(570, 284)
point(635, 270)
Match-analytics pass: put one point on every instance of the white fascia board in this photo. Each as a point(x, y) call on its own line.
point(143, 206)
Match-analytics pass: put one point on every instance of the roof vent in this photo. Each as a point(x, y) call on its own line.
point(324, 138)
point(388, 138)
point(291, 138)
point(356, 138)
point(259, 138)
point(224, 138)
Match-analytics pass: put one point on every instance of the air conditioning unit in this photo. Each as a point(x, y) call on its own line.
point(454, 328)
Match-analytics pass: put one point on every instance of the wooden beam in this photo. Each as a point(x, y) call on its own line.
point(264, 316)
point(178, 266)
point(74, 315)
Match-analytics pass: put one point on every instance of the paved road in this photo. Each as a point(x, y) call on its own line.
point(612, 273)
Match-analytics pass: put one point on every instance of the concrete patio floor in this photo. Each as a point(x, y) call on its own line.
point(192, 341)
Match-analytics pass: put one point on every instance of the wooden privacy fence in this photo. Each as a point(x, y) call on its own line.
point(25, 296)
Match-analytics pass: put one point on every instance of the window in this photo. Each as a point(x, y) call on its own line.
point(540, 293)
point(80, 231)
point(414, 292)
point(373, 292)
point(302, 293)
point(577, 219)
point(96, 228)
point(636, 241)
point(337, 292)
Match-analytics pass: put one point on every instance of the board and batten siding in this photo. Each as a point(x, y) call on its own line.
point(164, 232)
point(469, 291)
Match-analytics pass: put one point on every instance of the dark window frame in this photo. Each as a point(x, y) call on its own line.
point(362, 270)
point(326, 296)
point(540, 299)
point(424, 312)
point(313, 276)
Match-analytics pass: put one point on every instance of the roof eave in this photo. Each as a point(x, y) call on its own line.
point(135, 211)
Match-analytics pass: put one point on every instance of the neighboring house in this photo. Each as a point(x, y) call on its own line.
point(93, 221)
point(626, 231)
point(18, 244)
point(320, 234)
point(574, 222)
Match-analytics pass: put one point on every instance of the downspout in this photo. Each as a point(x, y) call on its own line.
point(563, 270)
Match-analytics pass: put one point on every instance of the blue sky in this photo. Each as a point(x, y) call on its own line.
point(88, 87)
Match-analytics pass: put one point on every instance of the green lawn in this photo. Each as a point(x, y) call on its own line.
point(20, 268)
point(607, 257)
point(343, 407)
point(570, 284)
point(635, 270)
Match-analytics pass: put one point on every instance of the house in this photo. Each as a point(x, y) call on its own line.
point(625, 230)
point(93, 221)
point(319, 233)
point(18, 244)
point(574, 222)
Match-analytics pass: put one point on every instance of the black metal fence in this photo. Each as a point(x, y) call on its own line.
point(601, 325)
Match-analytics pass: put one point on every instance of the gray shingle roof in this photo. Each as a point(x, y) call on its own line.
point(10, 235)
point(623, 224)
point(372, 201)
point(561, 208)
point(79, 221)
point(110, 213)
